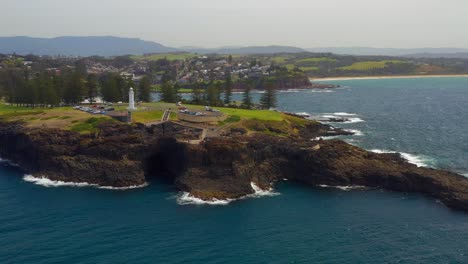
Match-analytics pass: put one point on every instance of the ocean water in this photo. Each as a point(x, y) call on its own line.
point(424, 118)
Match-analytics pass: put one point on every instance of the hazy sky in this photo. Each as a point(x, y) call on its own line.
point(210, 23)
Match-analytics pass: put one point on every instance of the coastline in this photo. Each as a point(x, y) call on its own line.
point(386, 77)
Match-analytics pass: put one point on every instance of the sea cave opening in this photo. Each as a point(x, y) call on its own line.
point(167, 160)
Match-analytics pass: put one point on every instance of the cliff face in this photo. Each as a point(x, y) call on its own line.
point(221, 167)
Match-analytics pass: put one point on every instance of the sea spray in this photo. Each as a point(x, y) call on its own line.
point(418, 160)
point(45, 182)
point(344, 187)
point(186, 198)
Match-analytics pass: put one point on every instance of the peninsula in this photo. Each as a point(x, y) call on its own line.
point(217, 161)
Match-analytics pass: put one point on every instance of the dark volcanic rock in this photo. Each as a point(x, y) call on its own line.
point(224, 167)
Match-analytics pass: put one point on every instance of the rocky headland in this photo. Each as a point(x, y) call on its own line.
point(221, 167)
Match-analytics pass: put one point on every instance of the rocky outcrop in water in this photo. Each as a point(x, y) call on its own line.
point(221, 167)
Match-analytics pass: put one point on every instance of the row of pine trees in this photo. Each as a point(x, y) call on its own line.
point(218, 93)
point(48, 89)
point(71, 86)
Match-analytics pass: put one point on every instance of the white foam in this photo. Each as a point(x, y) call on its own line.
point(326, 138)
point(186, 198)
point(465, 174)
point(291, 91)
point(418, 160)
point(260, 192)
point(353, 120)
point(321, 91)
point(347, 118)
point(345, 187)
point(124, 188)
point(304, 114)
point(344, 114)
point(42, 181)
point(355, 131)
point(51, 183)
point(8, 162)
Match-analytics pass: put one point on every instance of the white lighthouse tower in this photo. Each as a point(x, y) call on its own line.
point(131, 100)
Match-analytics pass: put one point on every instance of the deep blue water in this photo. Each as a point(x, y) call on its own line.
point(422, 117)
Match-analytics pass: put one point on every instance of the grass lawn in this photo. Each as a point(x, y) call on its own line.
point(242, 113)
point(252, 114)
point(147, 116)
point(367, 65)
point(59, 117)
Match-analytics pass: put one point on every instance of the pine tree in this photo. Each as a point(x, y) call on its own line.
point(247, 99)
point(228, 90)
point(74, 88)
point(268, 99)
point(168, 93)
point(91, 87)
point(144, 89)
point(110, 91)
point(212, 94)
point(197, 97)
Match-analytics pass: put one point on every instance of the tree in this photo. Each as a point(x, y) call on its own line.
point(109, 90)
point(74, 88)
point(247, 99)
point(268, 99)
point(230, 59)
point(92, 87)
point(197, 97)
point(213, 94)
point(228, 90)
point(144, 89)
point(168, 93)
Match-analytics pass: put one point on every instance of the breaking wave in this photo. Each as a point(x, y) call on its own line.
point(8, 162)
point(344, 188)
point(304, 114)
point(45, 182)
point(418, 160)
point(291, 91)
point(353, 120)
point(344, 114)
point(186, 198)
point(321, 91)
point(342, 117)
point(355, 131)
point(261, 193)
point(326, 138)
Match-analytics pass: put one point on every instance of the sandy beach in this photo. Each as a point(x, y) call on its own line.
point(387, 77)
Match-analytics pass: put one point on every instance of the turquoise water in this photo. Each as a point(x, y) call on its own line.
point(425, 118)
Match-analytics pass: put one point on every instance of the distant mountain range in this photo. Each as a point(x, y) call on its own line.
point(80, 46)
point(115, 46)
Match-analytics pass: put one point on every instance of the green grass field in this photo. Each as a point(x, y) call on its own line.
point(169, 56)
point(147, 116)
point(368, 65)
point(242, 113)
point(60, 117)
point(279, 59)
point(316, 60)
